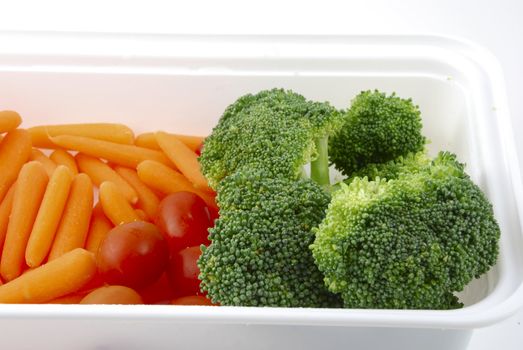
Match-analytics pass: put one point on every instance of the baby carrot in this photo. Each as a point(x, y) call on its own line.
point(15, 150)
point(98, 229)
point(99, 172)
point(115, 206)
point(62, 276)
point(48, 217)
point(61, 157)
point(147, 200)
point(164, 179)
point(126, 155)
point(5, 210)
point(117, 133)
point(72, 298)
point(113, 295)
point(95, 282)
point(193, 142)
point(148, 140)
point(141, 214)
point(9, 120)
point(74, 225)
point(28, 193)
point(39, 156)
point(192, 300)
point(184, 159)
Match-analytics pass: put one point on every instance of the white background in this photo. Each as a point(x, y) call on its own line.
point(497, 25)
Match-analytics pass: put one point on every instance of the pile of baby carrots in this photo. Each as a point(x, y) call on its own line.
point(63, 187)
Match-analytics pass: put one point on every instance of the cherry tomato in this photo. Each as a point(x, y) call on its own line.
point(199, 149)
point(214, 215)
point(192, 300)
point(159, 292)
point(184, 218)
point(133, 254)
point(183, 272)
point(112, 295)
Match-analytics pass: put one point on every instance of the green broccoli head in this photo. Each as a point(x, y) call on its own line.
point(377, 128)
point(275, 130)
point(259, 253)
point(409, 242)
point(410, 163)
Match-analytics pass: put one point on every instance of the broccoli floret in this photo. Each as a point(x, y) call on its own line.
point(275, 130)
point(377, 128)
point(259, 254)
point(409, 242)
point(410, 163)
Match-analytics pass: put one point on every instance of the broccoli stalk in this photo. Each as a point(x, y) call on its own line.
point(320, 165)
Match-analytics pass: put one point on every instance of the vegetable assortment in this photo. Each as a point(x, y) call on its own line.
point(91, 214)
point(248, 216)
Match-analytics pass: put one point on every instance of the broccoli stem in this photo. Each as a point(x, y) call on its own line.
point(304, 174)
point(320, 166)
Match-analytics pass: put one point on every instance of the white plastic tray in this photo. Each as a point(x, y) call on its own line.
point(183, 83)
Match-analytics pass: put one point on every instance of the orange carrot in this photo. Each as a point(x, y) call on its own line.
point(166, 180)
point(48, 164)
point(61, 157)
point(115, 206)
point(9, 120)
point(28, 193)
point(117, 133)
point(184, 159)
point(73, 298)
point(97, 209)
point(148, 140)
point(141, 214)
point(98, 229)
point(193, 300)
point(99, 172)
point(148, 201)
point(74, 225)
point(193, 142)
point(95, 282)
point(113, 295)
point(15, 150)
point(57, 278)
point(48, 217)
point(126, 155)
point(5, 210)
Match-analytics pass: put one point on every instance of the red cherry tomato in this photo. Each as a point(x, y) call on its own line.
point(184, 218)
point(214, 215)
point(192, 300)
point(159, 292)
point(133, 254)
point(199, 149)
point(183, 272)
